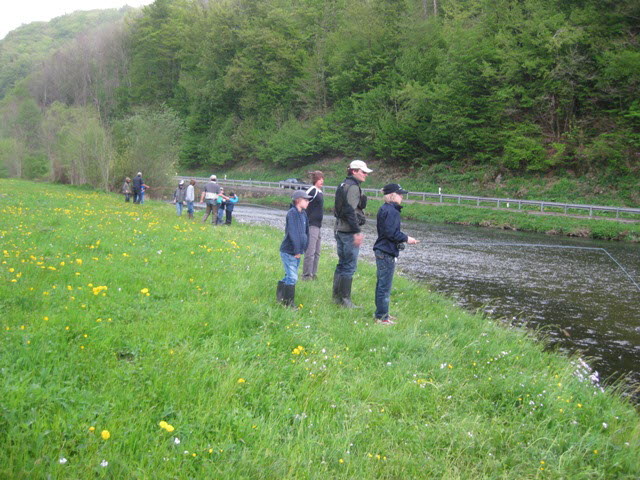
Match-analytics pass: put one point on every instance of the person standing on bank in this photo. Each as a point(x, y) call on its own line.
point(349, 212)
point(137, 187)
point(294, 244)
point(190, 197)
point(314, 214)
point(179, 197)
point(126, 189)
point(387, 248)
point(229, 204)
point(210, 194)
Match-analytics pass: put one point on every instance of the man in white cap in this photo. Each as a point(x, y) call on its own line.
point(210, 195)
point(349, 212)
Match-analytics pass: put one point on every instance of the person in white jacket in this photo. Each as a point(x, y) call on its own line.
point(190, 197)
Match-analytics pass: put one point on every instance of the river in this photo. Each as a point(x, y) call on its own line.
point(578, 298)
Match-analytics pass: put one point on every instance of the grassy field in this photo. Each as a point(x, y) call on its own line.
point(136, 344)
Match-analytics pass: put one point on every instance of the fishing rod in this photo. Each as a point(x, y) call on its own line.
point(532, 245)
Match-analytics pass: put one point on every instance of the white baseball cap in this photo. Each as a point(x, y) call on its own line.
point(213, 177)
point(360, 165)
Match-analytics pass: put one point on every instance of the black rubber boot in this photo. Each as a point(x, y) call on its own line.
point(336, 289)
point(345, 292)
point(290, 296)
point(280, 292)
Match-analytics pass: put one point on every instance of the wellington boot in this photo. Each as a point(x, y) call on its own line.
point(344, 289)
point(280, 292)
point(336, 289)
point(290, 296)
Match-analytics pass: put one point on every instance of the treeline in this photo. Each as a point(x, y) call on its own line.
point(529, 85)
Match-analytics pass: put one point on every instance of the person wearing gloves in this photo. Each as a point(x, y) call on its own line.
point(294, 244)
point(387, 248)
point(179, 197)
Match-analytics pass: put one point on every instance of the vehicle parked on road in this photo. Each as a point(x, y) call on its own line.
point(294, 183)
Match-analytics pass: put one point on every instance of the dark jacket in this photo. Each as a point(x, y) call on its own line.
point(348, 196)
point(180, 194)
point(137, 183)
point(389, 234)
point(296, 233)
point(315, 208)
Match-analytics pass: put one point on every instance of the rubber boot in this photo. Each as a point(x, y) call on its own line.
point(345, 292)
point(336, 289)
point(280, 292)
point(290, 296)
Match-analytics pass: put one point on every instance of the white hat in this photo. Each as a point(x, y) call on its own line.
point(139, 174)
point(360, 165)
point(213, 177)
point(181, 182)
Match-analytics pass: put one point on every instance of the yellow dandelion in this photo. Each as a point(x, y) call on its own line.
point(144, 291)
point(241, 380)
point(105, 434)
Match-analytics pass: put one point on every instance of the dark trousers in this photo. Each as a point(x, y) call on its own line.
point(386, 265)
point(347, 254)
point(229, 215)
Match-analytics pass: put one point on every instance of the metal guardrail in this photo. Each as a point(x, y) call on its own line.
point(445, 198)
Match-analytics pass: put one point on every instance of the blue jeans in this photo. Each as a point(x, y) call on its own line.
point(141, 197)
point(179, 208)
point(190, 207)
point(386, 265)
point(291, 264)
point(347, 254)
point(220, 214)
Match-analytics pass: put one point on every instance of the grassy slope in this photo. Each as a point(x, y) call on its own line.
point(443, 394)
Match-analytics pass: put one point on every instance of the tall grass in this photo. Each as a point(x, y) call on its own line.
point(136, 344)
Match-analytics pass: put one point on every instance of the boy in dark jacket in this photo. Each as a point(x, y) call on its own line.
point(386, 248)
point(294, 244)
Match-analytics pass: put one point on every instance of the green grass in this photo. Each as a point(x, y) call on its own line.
point(187, 331)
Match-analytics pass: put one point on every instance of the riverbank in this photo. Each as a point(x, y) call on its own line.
point(493, 218)
point(135, 341)
point(601, 188)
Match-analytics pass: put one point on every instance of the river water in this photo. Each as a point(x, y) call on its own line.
point(580, 299)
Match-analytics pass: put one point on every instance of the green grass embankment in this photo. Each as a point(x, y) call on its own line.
point(136, 344)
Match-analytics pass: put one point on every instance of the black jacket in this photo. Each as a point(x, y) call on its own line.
point(388, 225)
point(315, 208)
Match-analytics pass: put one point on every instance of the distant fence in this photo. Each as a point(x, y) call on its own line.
point(510, 203)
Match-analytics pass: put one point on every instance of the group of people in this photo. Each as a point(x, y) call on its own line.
point(135, 189)
point(216, 202)
point(302, 237)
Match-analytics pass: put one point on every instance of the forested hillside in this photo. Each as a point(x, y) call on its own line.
point(528, 86)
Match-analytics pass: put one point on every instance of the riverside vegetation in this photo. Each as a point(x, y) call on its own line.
point(138, 344)
point(535, 87)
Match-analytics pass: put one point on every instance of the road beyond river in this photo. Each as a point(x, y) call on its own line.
point(578, 298)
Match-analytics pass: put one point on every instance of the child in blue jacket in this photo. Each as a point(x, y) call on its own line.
point(387, 248)
point(293, 246)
